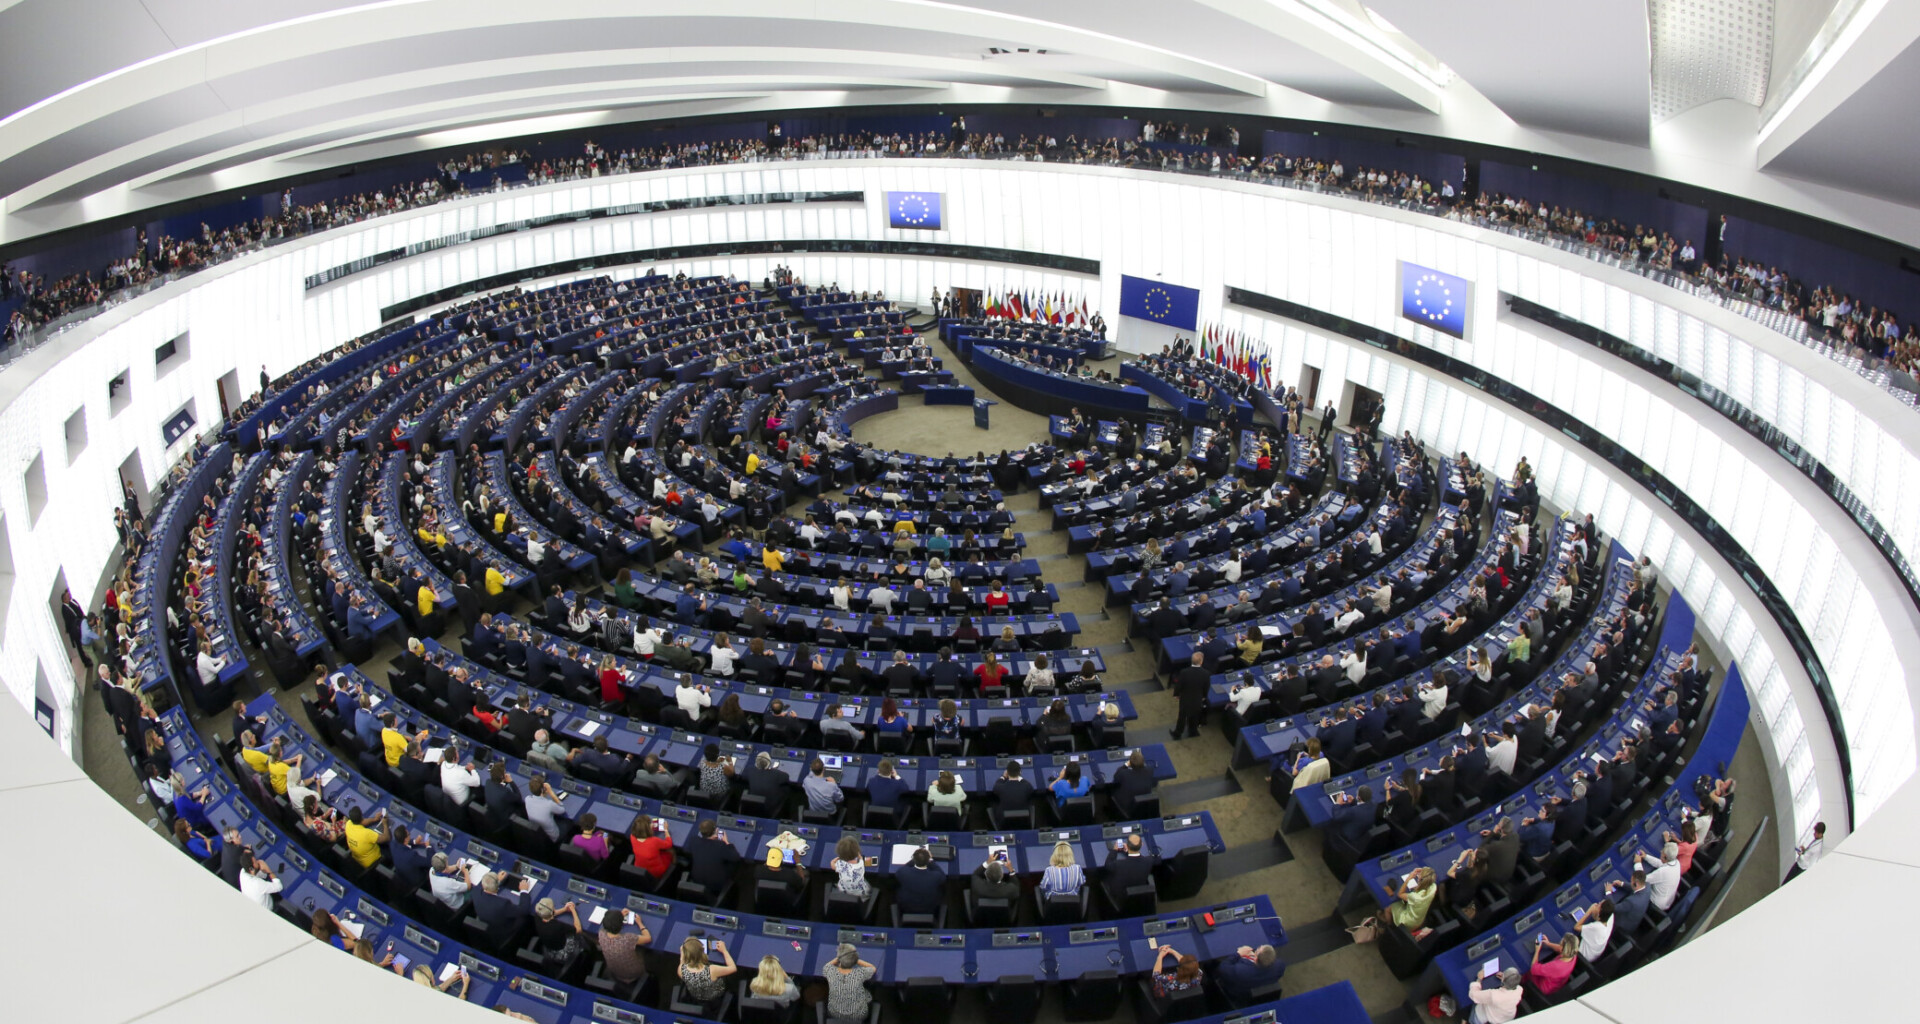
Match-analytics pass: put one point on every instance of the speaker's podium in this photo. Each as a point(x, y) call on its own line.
point(980, 407)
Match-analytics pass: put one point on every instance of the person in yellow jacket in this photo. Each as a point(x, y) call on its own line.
point(428, 534)
point(772, 559)
point(423, 598)
point(496, 583)
point(753, 463)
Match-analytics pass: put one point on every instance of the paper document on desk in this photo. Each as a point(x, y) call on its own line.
point(599, 914)
point(1490, 968)
point(589, 728)
point(353, 928)
point(433, 756)
point(448, 971)
point(327, 777)
point(902, 853)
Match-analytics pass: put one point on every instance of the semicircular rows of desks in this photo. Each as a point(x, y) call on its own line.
point(1522, 717)
point(577, 446)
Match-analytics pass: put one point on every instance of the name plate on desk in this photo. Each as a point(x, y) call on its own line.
point(1513, 806)
point(528, 869)
point(1483, 947)
point(1017, 939)
point(1650, 822)
point(267, 835)
point(1024, 762)
point(1567, 895)
point(420, 938)
point(1543, 787)
point(566, 785)
point(1225, 914)
point(1438, 843)
point(244, 811)
point(440, 832)
point(1529, 922)
point(1116, 831)
point(607, 1012)
point(481, 969)
point(332, 885)
point(1389, 863)
point(369, 790)
point(587, 889)
point(299, 859)
point(641, 905)
point(1378, 770)
point(1070, 835)
point(373, 913)
point(1180, 822)
point(942, 940)
point(486, 853)
point(1083, 936)
point(708, 917)
point(783, 930)
point(403, 813)
point(870, 938)
point(1263, 1017)
point(951, 763)
point(631, 803)
point(677, 813)
point(1178, 924)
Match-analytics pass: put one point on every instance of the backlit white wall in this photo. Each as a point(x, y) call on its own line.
point(1324, 252)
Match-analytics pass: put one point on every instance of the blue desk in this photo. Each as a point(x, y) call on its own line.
point(996, 369)
point(1314, 803)
point(950, 394)
point(1510, 943)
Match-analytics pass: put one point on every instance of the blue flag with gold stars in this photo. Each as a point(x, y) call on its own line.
point(913, 210)
point(1167, 304)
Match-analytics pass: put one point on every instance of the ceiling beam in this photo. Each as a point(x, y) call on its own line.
point(1877, 32)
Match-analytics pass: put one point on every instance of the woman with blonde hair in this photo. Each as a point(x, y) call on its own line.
point(772, 983)
point(1063, 876)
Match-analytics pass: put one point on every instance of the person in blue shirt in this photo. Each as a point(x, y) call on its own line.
point(1630, 902)
point(885, 789)
point(1354, 817)
point(191, 808)
point(1536, 834)
point(204, 846)
point(1071, 783)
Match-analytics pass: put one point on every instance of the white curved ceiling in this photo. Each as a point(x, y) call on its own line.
point(112, 106)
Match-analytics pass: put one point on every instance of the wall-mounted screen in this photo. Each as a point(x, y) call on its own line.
point(1434, 299)
point(914, 210)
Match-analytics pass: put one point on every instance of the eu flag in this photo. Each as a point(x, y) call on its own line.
point(1161, 303)
point(1434, 299)
point(913, 210)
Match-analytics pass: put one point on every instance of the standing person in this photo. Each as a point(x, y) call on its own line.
point(1191, 684)
point(1806, 856)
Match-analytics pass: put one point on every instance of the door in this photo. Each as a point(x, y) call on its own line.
point(1310, 385)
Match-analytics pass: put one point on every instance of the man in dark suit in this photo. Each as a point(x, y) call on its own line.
point(991, 882)
point(501, 902)
point(1353, 817)
point(1246, 970)
point(555, 608)
point(411, 860)
point(901, 676)
point(1191, 684)
point(920, 887)
point(1011, 791)
point(1289, 692)
point(1339, 734)
point(1131, 865)
point(711, 859)
point(467, 600)
point(1531, 740)
point(1132, 781)
point(1630, 902)
point(1325, 680)
point(1502, 844)
point(1165, 620)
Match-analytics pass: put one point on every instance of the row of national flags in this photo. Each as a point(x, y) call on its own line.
point(1238, 353)
point(1041, 308)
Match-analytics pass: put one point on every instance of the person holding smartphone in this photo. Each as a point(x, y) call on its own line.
point(852, 867)
point(699, 975)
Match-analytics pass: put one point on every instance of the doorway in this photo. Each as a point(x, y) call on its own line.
point(1310, 385)
point(229, 388)
point(966, 302)
point(1365, 410)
